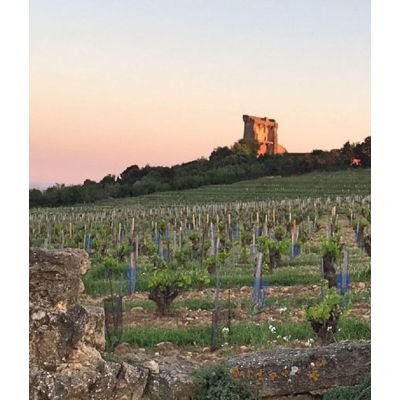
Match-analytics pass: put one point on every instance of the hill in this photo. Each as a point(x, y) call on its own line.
point(315, 184)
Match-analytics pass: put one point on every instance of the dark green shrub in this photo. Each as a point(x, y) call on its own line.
point(362, 392)
point(216, 383)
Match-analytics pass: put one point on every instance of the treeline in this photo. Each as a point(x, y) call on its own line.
point(225, 165)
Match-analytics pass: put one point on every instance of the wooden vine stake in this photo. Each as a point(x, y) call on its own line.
point(62, 240)
point(322, 277)
point(132, 226)
point(258, 297)
point(214, 322)
point(133, 274)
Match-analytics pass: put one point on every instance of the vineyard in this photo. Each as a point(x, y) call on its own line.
point(206, 273)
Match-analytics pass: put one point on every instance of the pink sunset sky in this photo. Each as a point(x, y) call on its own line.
point(131, 82)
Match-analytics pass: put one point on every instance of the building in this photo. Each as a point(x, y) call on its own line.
point(265, 132)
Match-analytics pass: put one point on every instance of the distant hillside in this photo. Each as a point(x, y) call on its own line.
point(315, 184)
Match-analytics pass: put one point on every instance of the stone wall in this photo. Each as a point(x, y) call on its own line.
point(286, 372)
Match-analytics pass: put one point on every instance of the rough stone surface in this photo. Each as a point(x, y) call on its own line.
point(285, 372)
point(94, 334)
point(54, 276)
point(108, 381)
point(173, 382)
point(52, 337)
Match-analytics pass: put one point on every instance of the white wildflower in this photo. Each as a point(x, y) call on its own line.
point(309, 342)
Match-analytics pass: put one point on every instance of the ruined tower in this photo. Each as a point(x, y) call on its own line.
point(265, 132)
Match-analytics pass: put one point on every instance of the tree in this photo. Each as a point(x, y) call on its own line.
point(108, 179)
point(246, 147)
point(35, 198)
point(220, 153)
point(132, 174)
point(362, 151)
point(347, 152)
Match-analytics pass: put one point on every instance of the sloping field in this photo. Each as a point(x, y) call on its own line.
point(315, 184)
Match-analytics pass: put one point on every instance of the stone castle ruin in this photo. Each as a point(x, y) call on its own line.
point(265, 132)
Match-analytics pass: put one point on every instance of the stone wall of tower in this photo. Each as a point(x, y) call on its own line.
point(265, 132)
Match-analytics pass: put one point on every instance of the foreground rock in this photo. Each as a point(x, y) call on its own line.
point(283, 372)
point(65, 338)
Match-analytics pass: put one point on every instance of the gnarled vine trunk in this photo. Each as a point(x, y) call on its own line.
point(163, 297)
point(275, 259)
point(326, 330)
point(367, 244)
point(329, 270)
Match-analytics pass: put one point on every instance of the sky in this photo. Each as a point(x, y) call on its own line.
point(120, 82)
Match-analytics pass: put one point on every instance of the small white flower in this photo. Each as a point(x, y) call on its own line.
point(309, 342)
point(225, 330)
point(282, 310)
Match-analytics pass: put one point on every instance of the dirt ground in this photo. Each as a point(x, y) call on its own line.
point(184, 317)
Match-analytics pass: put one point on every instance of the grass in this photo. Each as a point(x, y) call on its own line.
point(256, 335)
